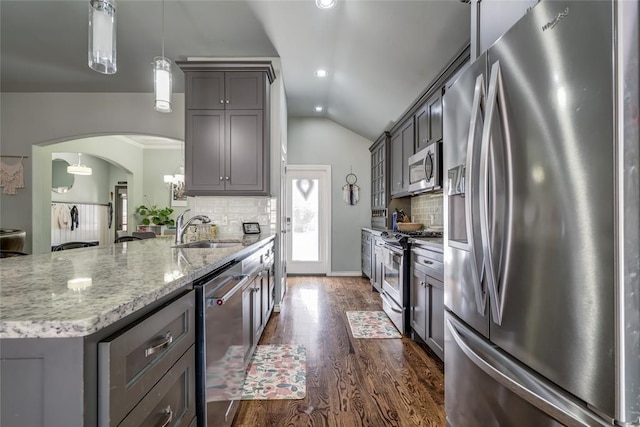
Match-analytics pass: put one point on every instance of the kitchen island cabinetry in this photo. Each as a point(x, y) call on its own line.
point(227, 128)
point(402, 147)
point(108, 335)
point(427, 298)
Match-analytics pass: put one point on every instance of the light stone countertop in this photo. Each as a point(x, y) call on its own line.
point(77, 292)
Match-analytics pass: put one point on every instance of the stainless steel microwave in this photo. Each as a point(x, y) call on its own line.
point(425, 169)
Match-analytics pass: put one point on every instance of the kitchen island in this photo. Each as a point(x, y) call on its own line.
point(57, 309)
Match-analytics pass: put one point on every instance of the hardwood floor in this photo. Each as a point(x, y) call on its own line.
point(350, 382)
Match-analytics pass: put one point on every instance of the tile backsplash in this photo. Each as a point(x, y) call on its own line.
point(427, 209)
point(228, 213)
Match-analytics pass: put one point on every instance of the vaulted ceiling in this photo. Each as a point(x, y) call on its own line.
point(380, 55)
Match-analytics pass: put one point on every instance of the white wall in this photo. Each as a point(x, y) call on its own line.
point(324, 142)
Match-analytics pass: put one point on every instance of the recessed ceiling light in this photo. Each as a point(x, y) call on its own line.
point(321, 73)
point(325, 4)
point(318, 108)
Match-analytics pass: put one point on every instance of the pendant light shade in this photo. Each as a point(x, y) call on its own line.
point(102, 36)
point(162, 84)
point(325, 4)
point(79, 169)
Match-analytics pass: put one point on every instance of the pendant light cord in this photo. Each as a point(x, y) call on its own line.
point(162, 29)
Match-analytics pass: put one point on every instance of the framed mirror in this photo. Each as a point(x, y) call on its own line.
point(61, 181)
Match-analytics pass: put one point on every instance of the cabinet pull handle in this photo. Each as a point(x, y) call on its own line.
point(227, 101)
point(166, 342)
point(427, 262)
point(227, 178)
point(221, 178)
point(169, 413)
point(221, 101)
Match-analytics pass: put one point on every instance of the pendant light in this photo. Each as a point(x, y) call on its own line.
point(79, 169)
point(102, 36)
point(162, 78)
point(325, 4)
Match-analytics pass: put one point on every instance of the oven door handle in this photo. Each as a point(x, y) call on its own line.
point(391, 304)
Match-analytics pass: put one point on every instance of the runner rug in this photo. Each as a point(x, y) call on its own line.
point(276, 371)
point(371, 324)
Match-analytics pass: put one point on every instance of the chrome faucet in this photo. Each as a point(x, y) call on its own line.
point(181, 226)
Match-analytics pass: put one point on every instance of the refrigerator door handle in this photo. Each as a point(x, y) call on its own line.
point(545, 396)
point(495, 94)
point(479, 95)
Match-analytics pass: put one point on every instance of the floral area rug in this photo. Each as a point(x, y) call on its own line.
point(371, 324)
point(276, 371)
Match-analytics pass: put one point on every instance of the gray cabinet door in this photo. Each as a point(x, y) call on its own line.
point(422, 127)
point(435, 316)
point(204, 151)
point(434, 106)
point(418, 312)
point(407, 151)
point(244, 90)
point(396, 163)
point(244, 151)
point(205, 90)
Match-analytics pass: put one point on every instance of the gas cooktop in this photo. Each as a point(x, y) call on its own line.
point(401, 238)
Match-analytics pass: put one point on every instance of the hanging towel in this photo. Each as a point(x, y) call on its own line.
point(74, 217)
point(11, 177)
point(60, 216)
point(110, 213)
point(351, 193)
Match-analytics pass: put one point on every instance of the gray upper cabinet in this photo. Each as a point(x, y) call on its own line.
point(428, 121)
point(212, 90)
point(227, 127)
point(244, 90)
point(402, 147)
point(206, 90)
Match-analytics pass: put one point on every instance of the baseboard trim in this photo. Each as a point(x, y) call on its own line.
point(345, 273)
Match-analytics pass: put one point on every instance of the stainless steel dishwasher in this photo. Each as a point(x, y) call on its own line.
point(220, 371)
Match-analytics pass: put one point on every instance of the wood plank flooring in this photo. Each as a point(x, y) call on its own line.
point(350, 382)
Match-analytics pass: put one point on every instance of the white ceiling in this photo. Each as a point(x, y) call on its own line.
point(380, 54)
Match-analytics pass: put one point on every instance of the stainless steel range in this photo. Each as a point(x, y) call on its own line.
point(395, 275)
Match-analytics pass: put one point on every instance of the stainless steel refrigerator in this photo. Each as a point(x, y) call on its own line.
point(541, 162)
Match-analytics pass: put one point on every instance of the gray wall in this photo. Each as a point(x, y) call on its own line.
point(323, 142)
point(157, 163)
point(92, 188)
point(28, 119)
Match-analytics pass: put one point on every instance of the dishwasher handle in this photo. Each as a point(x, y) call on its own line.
point(216, 301)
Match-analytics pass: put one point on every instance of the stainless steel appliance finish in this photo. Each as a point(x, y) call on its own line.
point(220, 347)
point(425, 169)
point(393, 292)
point(537, 268)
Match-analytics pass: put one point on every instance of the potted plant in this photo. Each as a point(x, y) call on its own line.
point(155, 218)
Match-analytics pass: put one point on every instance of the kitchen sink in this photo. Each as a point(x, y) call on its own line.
point(209, 244)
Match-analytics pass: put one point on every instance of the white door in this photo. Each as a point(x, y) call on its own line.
point(309, 210)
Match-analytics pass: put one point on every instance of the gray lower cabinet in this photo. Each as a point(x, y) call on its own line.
point(427, 298)
point(141, 365)
point(365, 253)
point(258, 296)
point(376, 264)
point(133, 362)
point(171, 402)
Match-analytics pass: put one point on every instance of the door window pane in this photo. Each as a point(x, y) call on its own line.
point(305, 218)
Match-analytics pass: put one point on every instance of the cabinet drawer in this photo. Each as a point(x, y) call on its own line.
point(430, 263)
point(171, 402)
point(131, 362)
